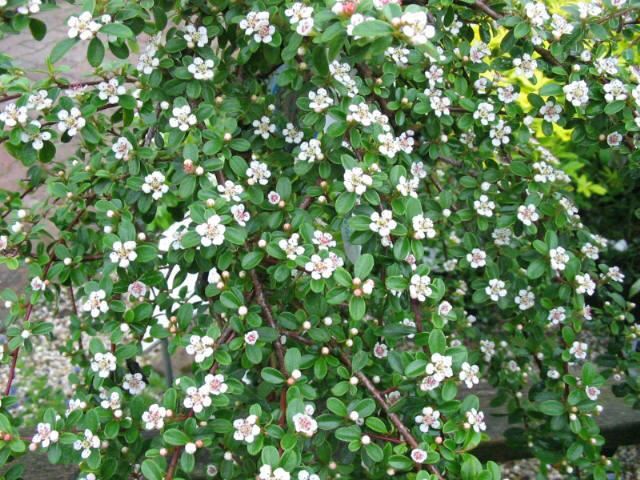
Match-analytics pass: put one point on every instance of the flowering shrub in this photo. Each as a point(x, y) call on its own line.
point(360, 196)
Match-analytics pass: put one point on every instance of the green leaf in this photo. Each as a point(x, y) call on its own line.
point(345, 203)
point(151, 470)
point(252, 259)
point(551, 89)
point(117, 30)
point(437, 341)
point(273, 376)
point(292, 359)
point(175, 437)
point(363, 266)
point(372, 29)
point(536, 269)
point(521, 30)
point(552, 408)
point(95, 52)
point(61, 48)
point(357, 307)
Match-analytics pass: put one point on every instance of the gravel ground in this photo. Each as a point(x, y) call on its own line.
point(526, 469)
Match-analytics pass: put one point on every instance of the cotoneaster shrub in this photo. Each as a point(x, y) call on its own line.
point(361, 192)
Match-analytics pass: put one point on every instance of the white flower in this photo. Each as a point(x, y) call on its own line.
point(305, 424)
point(525, 66)
point(418, 455)
point(537, 13)
point(495, 289)
point(230, 191)
point(154, 417)
point(577, 93)
point(615, 274)
point(45, 435)
point(267, 473)
point(419, 288)
point(182, 118)
point(134, 383)
point(382, 223)
point(556, 315)
point(197, 399)
point(111, 91)
point(246, 429)
point(123, 253)
point(319, 268)
point(263, 127)
point(407, 188)
point(590, 251)
point(274, 198)
point(478, 52)
point(196, 36)
point(310, 151)
point(507, 94)
point(154, 184)
point(415, 26)
point(83, 26)
point(292, 134)
point(484, 112)
point(551, 111)
point(615, 90)
point(319, 100)
point(39, 100)
point(484, 206)
point(201, 69)
point(96, 303)
point(298, 11)
point(13, 115)
point(251, 338)
point(469, 374)
point(579, 350)
point(215, 384)
point(525, 299)
point(290, 246)
point(430, 419)
point(399, 55)
point(475, 419)
point(592, 392)
point(201, 347)
point(212, 232)
point(380, 350)
point(614, 139)
point(428, 383)
point(440, 367)
point(560, 26)
point(257, 24)
point(585, 284)
point(70, 121)
point(323, 240)
point(422, 227)
point(122, 148)
point(240, 215)
point(355, 180)
point(477, 258)
point(89, 442)
point(558, 258)
point(148, 60)
point(38, 285)
point(103, 364)
point(527, 214)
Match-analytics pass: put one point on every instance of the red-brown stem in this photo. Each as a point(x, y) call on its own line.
point(266, 309)
point(385, 438)
point(397, 422)
point(16, 352)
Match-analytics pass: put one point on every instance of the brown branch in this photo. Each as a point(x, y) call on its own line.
point(266, 310)
point(16, 352)
point(397, 422)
